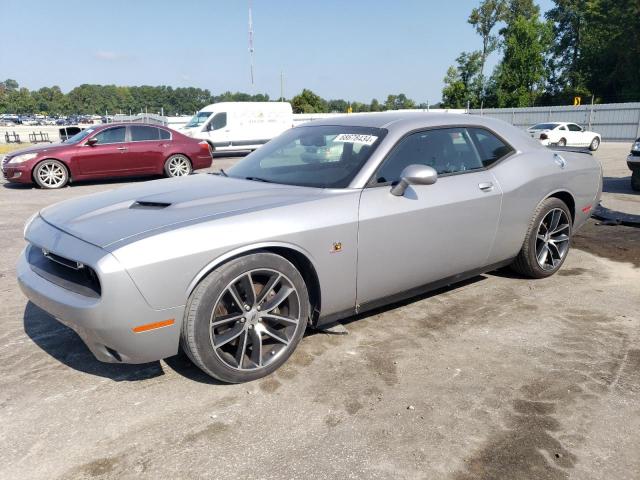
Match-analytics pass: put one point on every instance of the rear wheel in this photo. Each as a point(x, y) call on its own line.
point(595, 143)
point(246, 318)
point(177, 166)
point(51, 174)
point(562, 142)
point(547, 240)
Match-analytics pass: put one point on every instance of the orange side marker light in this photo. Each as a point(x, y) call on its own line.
point(153, 326)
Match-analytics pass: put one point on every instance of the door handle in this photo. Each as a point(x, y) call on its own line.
point(122, 148)
point(485, 186)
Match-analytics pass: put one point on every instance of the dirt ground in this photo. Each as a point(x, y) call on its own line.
point(497, 378)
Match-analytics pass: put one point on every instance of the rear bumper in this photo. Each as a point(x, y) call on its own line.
point(106, 323)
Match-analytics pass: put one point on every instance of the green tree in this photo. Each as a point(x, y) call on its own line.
point(463, 83)
point(523, 71)
point(337, 105)
point(398, 102)
point(484, 19)
point(308, 102)
point(375, 105)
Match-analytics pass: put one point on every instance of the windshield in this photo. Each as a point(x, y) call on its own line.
point(544, 126)
point(198, 119)
point(80, 136)
point(322, 156)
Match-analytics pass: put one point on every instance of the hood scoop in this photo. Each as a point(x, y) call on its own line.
point(145, 205)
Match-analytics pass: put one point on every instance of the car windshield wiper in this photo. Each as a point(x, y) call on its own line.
point(258, 179)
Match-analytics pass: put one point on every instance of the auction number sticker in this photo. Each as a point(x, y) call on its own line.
point(356, 138)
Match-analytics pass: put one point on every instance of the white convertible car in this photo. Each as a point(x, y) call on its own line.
point(565, 134)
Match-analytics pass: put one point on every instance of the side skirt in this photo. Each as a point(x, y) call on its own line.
point(328, 320)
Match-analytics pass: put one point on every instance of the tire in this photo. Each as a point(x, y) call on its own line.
point(539, 239)
point(595, 143)
point(51, 174)
point(177, 166)
point(248, 342)
point(562, 142)
point(635, 180)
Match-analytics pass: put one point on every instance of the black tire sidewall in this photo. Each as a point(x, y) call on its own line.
point(635, 180)
point(217, 281)
point(166, 165)
point(546, 206)
point(36, 179)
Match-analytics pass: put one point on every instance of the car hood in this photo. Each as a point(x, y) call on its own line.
point(39, 149)
point(128, 213)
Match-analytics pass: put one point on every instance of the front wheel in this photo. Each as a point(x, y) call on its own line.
point(546, 243)
point(51, 174)
point(245, 319)
point(177, 166)
point(595, 143)
point(562, 142)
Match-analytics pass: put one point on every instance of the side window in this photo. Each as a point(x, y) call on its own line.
point(563, 128)
point(574, 128)
point(140, 133)
point(111, 135)
point(491, 148)
point(164, 134)
point(448, 150)
point(218, 121)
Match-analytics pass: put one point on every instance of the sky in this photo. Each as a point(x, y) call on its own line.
point(356, 50)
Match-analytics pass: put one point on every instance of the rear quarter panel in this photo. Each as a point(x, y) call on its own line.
point(527, 178)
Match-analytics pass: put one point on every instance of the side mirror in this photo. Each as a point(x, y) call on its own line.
point(414, 175)
point(92, 141)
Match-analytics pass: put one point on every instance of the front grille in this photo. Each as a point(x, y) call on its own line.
point(635, 153)
point(65, 273)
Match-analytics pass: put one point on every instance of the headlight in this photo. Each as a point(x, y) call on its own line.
point(29, 222)
point(22, 158)
point(636, 147)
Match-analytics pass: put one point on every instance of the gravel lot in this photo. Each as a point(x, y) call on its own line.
point(500, 377)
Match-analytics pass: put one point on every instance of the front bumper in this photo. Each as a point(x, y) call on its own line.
point(105, 323)
point(633, 162)
point(16, 173)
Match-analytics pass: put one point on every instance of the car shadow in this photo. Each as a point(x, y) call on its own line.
point(63, 344)
point(617, 185)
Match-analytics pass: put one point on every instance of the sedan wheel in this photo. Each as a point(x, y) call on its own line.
point(51, 174)
point(246, 318)
point(595, 143)
point(562, 142)
point(547, 240)
point(177, 166)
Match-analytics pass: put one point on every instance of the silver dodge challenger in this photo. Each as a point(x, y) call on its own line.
point(327, 220)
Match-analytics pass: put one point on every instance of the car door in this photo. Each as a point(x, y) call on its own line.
point(145, 149)
point(218, 130)
point(432, 232)
point(106, 155)
point(576, 135)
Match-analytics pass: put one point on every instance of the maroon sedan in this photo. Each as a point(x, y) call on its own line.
point(107, 151)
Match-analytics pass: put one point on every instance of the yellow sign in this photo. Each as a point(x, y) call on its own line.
point(349, 109)
point(577, 101)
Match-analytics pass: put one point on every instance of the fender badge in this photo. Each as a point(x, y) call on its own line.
point(337, 247)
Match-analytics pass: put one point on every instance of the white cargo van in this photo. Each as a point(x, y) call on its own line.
point(239, 125)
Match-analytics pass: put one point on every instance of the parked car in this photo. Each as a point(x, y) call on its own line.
point(229, 126)
point(66, 133)
point(565, 134)
point(107, 151)
point(235, 266)
point(633, 162)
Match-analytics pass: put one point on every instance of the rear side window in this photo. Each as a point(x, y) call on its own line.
point(141, 133)
point(111, 135)
point(164, 135)
point(490, 147)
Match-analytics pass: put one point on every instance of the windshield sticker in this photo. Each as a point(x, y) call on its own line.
point(356, 138)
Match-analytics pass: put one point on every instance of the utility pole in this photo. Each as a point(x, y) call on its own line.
point(281, 86)
point(251, 44)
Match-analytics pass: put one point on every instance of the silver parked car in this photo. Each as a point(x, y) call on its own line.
point(235, 266)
